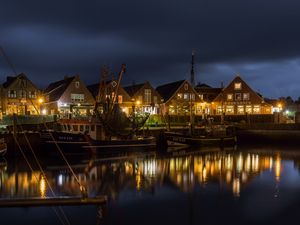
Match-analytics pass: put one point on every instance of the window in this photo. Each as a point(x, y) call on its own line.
point(77, 97)
point(238, 86)
point(22, 94)
point(179, 95)
point(114, 83)
point(201, 96)
point(77, 84)
point(193, 96)
point(219, 110)
point(230, 109)
point(238, 96)
point(248, 109)
point(186, 96)
point(155, 99)
point(240, 109)
point(246, 96)
point(186, 87)
point(147, 96)
point(120, 99)
point(256, 109)
point(229, 97)
point(31, 94)
point(81, 128)
point(12, 94)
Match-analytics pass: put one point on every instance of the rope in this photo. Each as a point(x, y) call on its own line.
point(32, 171)
point(43, 173)
point(81, 187)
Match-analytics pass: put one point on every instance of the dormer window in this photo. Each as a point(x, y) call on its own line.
point(186, 87)
point(238, 86)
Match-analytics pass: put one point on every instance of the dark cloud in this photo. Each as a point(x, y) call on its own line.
point(259, 39)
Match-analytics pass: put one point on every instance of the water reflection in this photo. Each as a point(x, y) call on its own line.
point(141, 173)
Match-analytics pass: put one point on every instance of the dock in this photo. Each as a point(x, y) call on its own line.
point(55, 201)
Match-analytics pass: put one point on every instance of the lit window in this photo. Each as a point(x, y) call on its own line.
point(179, 95)
point(193, 96)
point(22, 94)
point(31, 94)
point(240, 109)
point(186, 96)
point(186, 87)
point(238, 96)
point(256, 109)
point(201, 96)
point(246, 96)
point(77, 84)
point(238, 86)
point(219, 110)
point(248, 109)
point(77, 97)
point(12, 94)
point(147, 96)
point(120, 99)
point(229, 97)
point(230, 109)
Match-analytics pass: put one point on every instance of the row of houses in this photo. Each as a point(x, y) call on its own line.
point(71, 97)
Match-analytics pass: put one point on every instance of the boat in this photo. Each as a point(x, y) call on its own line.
point(214, 136)
point(3, 147)
point(109, 130)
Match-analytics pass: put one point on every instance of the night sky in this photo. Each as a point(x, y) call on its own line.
point(259, 39)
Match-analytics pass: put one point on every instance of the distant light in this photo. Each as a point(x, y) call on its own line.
point(65, 104)
point(41, 100)
point(138, 102)
point(287, 111)
point(44, 111)
point(78, 104)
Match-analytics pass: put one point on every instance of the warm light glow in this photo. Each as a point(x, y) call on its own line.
point(138, 102)
point(78, 104)
point(236, 187)
point(42, 187)
point(279, 105)
point(277, 168)
point(44, 111)
point(41, 100)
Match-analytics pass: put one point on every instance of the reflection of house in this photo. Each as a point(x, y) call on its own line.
point(144, 97)
point(123, 98)
point(179, 98)
point(238, 99)
point(68, 97)
point(20, 96)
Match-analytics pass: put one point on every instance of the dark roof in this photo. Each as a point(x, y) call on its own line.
point(94, 88)
point(56, 89)
point(202, 85)
point(10, 80)
point(133, 89)
point(166, 91)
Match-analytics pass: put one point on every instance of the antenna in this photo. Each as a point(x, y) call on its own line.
point(8, 61)
point(192, 69)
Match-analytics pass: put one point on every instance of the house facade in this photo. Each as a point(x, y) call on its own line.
point(144, 98)
point(180, 98)
point(123, 99)
point(20, 96)
point(238, 99)
point(68, 98)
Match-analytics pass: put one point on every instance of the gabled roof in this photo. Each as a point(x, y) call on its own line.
point(94, 88)
point(166, 91)
point(10, 80)
point(56, 89)
point(202, 85)
point(133, 89)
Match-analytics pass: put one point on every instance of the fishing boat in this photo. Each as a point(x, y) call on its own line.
point(3, 147)
point(108, 130)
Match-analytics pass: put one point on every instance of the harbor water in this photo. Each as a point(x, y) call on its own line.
point(207, 186)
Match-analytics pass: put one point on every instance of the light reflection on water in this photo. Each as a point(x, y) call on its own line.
point(224, 176)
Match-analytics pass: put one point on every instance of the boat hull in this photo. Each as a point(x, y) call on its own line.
point(70, 143)
point(199, 141)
